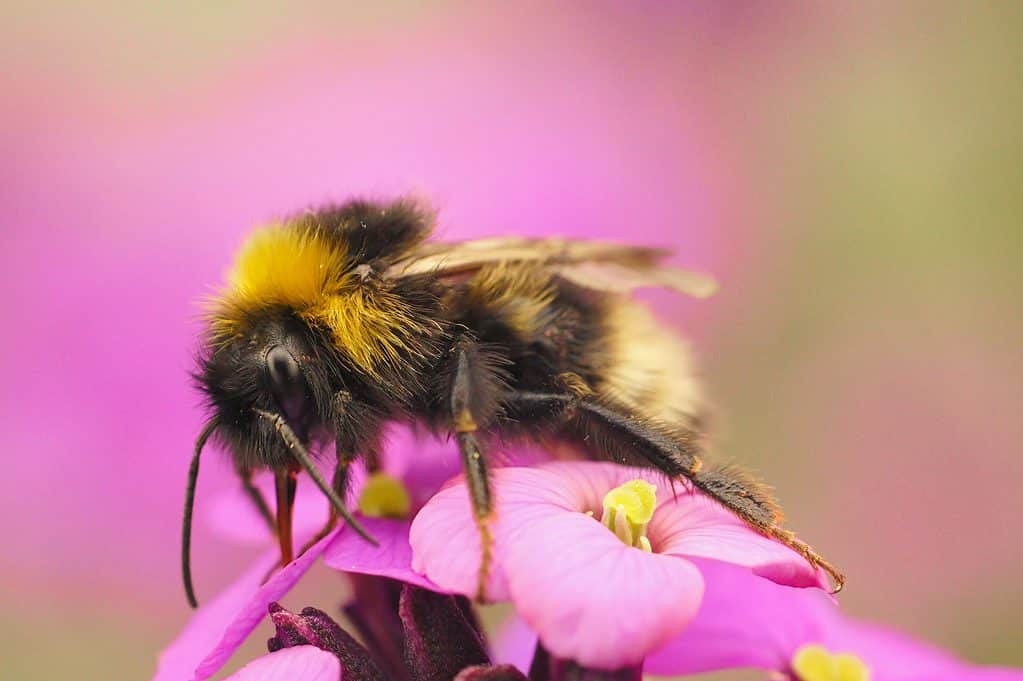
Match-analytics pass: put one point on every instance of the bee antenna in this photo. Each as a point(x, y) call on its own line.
point(186, 530)
point(302, 454)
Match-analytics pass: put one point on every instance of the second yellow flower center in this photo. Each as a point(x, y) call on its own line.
point(628, 509)
point(815, 663)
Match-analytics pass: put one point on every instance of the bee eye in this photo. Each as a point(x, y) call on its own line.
point(287, 383)
point(284, 370)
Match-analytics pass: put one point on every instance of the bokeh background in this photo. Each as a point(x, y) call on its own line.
point(851, 173)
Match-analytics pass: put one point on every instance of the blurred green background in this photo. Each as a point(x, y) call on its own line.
point(866, 350)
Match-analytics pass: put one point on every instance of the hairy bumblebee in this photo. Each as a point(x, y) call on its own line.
point(337, 321)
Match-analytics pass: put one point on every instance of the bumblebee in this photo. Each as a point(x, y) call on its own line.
point(340, 320)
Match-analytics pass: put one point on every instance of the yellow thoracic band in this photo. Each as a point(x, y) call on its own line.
point(628, 509)
point(384, 496)
point(300, 268)
point(815, 663)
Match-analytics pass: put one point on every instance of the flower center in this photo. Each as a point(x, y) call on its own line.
point(815, 663)
point(627, 512)
point(384, 496)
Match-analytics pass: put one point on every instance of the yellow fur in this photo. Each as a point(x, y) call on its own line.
point(520, 292)
point(300, 269)
point(649, 368)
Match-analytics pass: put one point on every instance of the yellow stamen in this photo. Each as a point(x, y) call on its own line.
point(815, 663)
point(628, 509)
point(384, 496)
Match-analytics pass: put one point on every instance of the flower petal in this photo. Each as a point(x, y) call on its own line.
point(893, 656)
point(421, 461)
point(445, 545)
point(304, 663)
point(513, 643)
point(392, 558)
point(744, 621)
point(696, 526)
point(221, 625)
point(594, 600)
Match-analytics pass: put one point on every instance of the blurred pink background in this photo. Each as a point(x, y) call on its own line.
point(851, 175)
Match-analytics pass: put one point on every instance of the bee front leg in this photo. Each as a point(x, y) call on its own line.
point(257, 498)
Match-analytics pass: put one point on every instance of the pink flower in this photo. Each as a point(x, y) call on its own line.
point(799, 633)
point(220, 626)
point(561, 555)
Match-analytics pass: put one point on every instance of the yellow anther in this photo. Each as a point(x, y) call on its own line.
point(628, 509)
point(384, 496)
point(815, 663)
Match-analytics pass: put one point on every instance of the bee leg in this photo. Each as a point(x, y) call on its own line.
point(256, 496)
point(751, 501)
point(479, 494)
point(285, 482)
point(612, 432)
point(474, 387)
point(608, 431)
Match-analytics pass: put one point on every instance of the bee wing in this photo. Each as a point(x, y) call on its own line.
point(615, 277)
point(596, 265)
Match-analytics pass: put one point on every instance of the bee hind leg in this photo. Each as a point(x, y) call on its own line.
point(751, 501)
point(612, 432)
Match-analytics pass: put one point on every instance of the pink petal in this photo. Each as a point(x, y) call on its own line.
point(221, 625)
point(513, 643)
point(302, 663)
point(392, 558)
point(445, 538)
point(445, 545)
point(593, 599)
point(893, 656)
point(744, 621)
point(696, 526)
point(420, 460)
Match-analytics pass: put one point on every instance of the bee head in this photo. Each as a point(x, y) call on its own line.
point(274, 367)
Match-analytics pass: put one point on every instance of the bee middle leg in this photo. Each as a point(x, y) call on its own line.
point(474, 386)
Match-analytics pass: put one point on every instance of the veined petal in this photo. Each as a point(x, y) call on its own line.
point(392, 558)
point(304, 663)
point(221, 625)
point(594, 600)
